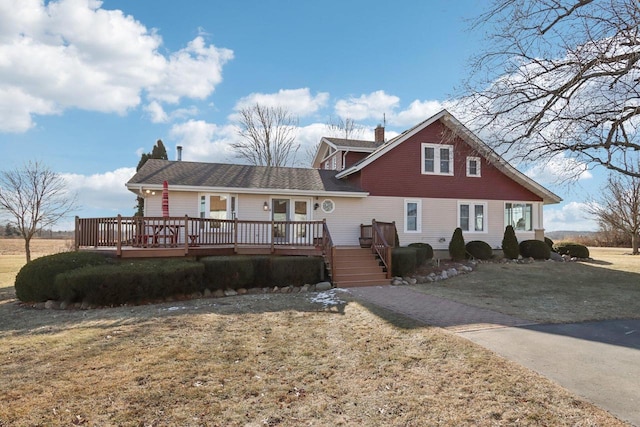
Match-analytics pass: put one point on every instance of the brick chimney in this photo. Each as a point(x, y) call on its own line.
point(379, 134)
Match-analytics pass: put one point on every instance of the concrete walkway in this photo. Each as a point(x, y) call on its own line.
point(599, 361)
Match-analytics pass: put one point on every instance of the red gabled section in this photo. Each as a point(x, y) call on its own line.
point(399, 172)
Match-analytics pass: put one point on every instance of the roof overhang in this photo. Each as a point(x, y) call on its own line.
point(139, 189)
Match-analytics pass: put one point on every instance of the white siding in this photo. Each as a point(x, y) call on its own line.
point(439, 216)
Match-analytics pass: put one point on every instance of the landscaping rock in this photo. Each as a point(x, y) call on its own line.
point(218, 293)
point(51, 304)
point(230, 293)
point(304, 288)
point(323, 286)
point(241, 291)
point(207, 293)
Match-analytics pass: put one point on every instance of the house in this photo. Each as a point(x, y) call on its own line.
point(429, 180)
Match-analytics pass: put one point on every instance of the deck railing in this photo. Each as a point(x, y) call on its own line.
point(328, 249)
point(381, 234)
point(163, 232)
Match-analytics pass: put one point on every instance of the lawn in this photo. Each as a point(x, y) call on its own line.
point(608, 287)
point(260, 360)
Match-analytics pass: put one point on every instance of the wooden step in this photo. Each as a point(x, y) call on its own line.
point(354, 266)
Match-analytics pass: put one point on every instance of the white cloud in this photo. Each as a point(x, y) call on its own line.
point(73, 54)
point(416, 112)
point(103, 191)
point(558, 169)
point(572, 216)
point(204, 142)
point(156, 112)
point(299, 102)
point(372, 106)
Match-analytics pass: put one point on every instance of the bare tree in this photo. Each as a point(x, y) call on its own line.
point(559, 78)
point(267, 136)
point(346, 128)
point(34, 197)
point(619, 207)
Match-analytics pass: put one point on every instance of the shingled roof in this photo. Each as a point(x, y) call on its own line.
point(233, 176)
point(342, 143)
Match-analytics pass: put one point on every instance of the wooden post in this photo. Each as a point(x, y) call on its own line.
point(186, 235)
point(273, 233)
point(77, 234)
point(235, 235)
point(389, 266)
point(119, 236)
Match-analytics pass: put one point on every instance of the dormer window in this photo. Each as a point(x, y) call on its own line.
point(437, 159)
point(473, 166)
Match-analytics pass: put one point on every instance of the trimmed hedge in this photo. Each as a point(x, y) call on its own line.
point(130, 282)
point(510, 247)
point(572, 249)
point(234, 272)
point(479, 250)
point(424, 252)
point(404, 260)
point(549, 243)
point(536, 249)
point(35, 281)
point(457, 249)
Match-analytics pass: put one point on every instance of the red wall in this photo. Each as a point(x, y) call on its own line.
point(398, 173)
point(353, 157)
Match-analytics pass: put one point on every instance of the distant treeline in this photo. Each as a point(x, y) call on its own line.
point(602, 238)
point(10, 231)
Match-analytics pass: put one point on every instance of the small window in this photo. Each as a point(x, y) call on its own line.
point(473, 166)
point(412, 216)
point(519, 216)
point(472, 217)
point(334, 163)
point(437, 159)
point(328, 206)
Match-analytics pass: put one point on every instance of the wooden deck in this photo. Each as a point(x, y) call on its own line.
point(155, 237)
point(171, 237)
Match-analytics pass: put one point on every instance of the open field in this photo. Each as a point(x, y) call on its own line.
point(606, 288)
point(262, 360)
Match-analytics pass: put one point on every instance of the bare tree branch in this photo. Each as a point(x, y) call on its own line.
point(559, 78)
point(35, 198)
point(619, 207)
point(268, 136)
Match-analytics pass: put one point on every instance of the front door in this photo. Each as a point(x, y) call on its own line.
point(280, 212)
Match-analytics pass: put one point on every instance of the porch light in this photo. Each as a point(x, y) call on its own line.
point(265, 207)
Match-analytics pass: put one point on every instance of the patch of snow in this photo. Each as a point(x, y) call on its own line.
point(329, 297)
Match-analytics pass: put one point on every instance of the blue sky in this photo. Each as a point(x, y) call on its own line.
point(87, 86)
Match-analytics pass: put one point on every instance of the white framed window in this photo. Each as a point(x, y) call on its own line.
point(472, 216)
point(437, 159)
point(519, 216)
point(412, 215)
point(218, 206)
point(334, 163)
point(328, 206)
point(473, 166)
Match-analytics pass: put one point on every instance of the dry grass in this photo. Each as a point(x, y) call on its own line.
point(606, 288)
point(261, 360)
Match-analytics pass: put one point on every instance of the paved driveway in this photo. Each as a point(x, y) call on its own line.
point(599, 361)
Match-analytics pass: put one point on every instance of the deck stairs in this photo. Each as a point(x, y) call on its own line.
point(355, 266)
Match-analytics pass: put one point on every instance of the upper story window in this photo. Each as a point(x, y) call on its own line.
point(437, 159)
point(473, 166)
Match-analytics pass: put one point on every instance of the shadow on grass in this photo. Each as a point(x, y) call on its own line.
point(16, 319)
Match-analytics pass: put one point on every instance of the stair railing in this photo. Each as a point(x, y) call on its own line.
point(380, 246)
point(328, 249)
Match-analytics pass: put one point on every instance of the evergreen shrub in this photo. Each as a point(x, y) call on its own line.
point(549, 243)
point(536, 249)
point(296, 270)
point(403, 261)
point(232, 272)
point(424, 252)
point(130, 282)
point(479, 250)
point(35, 281)
point(572, 249)
point(457, 249)
point(510, 247)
